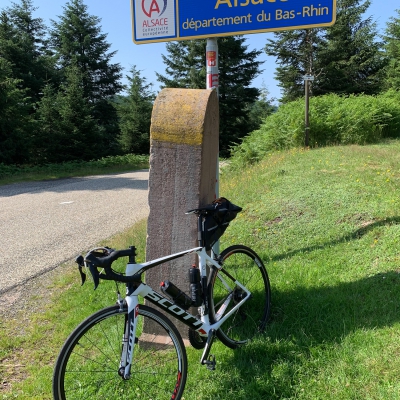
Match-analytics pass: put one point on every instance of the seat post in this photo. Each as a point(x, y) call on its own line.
point(200, 229)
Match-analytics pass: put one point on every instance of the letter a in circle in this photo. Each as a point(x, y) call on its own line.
point(153, 8)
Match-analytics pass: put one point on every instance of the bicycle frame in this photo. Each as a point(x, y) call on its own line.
point(202, 326)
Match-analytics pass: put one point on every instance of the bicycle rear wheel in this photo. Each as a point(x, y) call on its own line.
point(243, 265)
point(87, 367)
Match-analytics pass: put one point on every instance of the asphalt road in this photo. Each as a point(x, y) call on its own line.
point(43, 224)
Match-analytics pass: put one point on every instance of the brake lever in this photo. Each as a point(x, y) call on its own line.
point(95, 274)
point(90, 262)
point(79, 260)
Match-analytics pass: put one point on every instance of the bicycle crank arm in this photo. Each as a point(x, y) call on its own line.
point(206, 358)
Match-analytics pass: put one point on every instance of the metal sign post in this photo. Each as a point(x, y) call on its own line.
point(212, 64)
point(212, 82)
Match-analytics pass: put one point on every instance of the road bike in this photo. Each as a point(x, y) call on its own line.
point(133, 351)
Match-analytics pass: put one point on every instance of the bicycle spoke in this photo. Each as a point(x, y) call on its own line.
point(240, 264)
point(88, 364)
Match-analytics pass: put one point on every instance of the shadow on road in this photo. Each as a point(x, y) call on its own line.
point(131, 180)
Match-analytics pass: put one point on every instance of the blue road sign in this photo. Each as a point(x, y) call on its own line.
point(166, 20)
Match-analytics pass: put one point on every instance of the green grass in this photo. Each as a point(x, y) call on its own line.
point(105, 165)
point(326, 222)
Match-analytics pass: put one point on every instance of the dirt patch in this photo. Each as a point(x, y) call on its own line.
point(273, 221)
point(30, 296)
point(361, 219)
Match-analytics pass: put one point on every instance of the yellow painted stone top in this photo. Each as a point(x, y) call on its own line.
point(179, 115)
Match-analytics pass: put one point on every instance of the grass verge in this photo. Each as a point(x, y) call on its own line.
point(106, 165)
point(326, 222)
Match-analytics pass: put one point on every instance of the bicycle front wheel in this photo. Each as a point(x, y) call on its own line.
point(87, 367)
point(239, 264)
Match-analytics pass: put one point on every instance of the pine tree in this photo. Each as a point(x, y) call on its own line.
point(186, 68)
point(46, 138)
point(392, 39)
point(185, 65)
point(77, 40)
point(23, 43)
point(134, 111)
point(238, 67)
point(15, 123)
point(68, 130)
point(296, 53)
point(344, 58)
point(352, 61)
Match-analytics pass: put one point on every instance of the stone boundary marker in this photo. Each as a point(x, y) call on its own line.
point(183, 159)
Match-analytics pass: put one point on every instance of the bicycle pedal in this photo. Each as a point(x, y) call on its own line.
point(210, 362)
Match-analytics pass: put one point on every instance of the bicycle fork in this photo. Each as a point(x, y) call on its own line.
point(129, 339)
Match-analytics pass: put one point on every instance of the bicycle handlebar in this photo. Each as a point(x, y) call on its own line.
point(103, 258)
point(106, 261)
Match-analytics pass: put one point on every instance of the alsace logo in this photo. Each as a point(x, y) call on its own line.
point(154, 8)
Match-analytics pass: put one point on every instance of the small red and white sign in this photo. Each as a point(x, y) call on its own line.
point(154, 19)
point(212, 81)
point(212, 58)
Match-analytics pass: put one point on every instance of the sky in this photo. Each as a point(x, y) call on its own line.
point(116, 22)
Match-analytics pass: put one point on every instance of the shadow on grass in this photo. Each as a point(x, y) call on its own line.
point(357, 234)
point(306, 319)
point(303, 320)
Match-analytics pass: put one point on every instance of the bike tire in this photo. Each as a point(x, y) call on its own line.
point(87, 366)
point(242, 264)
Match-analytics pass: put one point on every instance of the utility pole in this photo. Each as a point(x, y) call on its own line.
point(307, 80)
point(307, 116)
point(309, 77)
point(212, 83)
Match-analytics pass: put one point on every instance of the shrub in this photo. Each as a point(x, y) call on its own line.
point(355, 119)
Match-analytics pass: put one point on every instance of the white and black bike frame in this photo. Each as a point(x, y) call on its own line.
point(203, 326)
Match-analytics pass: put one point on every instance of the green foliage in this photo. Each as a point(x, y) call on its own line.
point(25, 67)
point(66, 119)
point(185, 65)
point(134, 112)
point(14, 117)
point(351, 62)
point(333, 120)
point(237, 68)
point(23, 43)
point(66, 82)
point(76, 40)
point(392, 40)
point(345, 58)
point(297, 54)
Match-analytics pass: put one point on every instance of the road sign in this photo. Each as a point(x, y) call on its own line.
point(166, 20)
point(308, 77)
